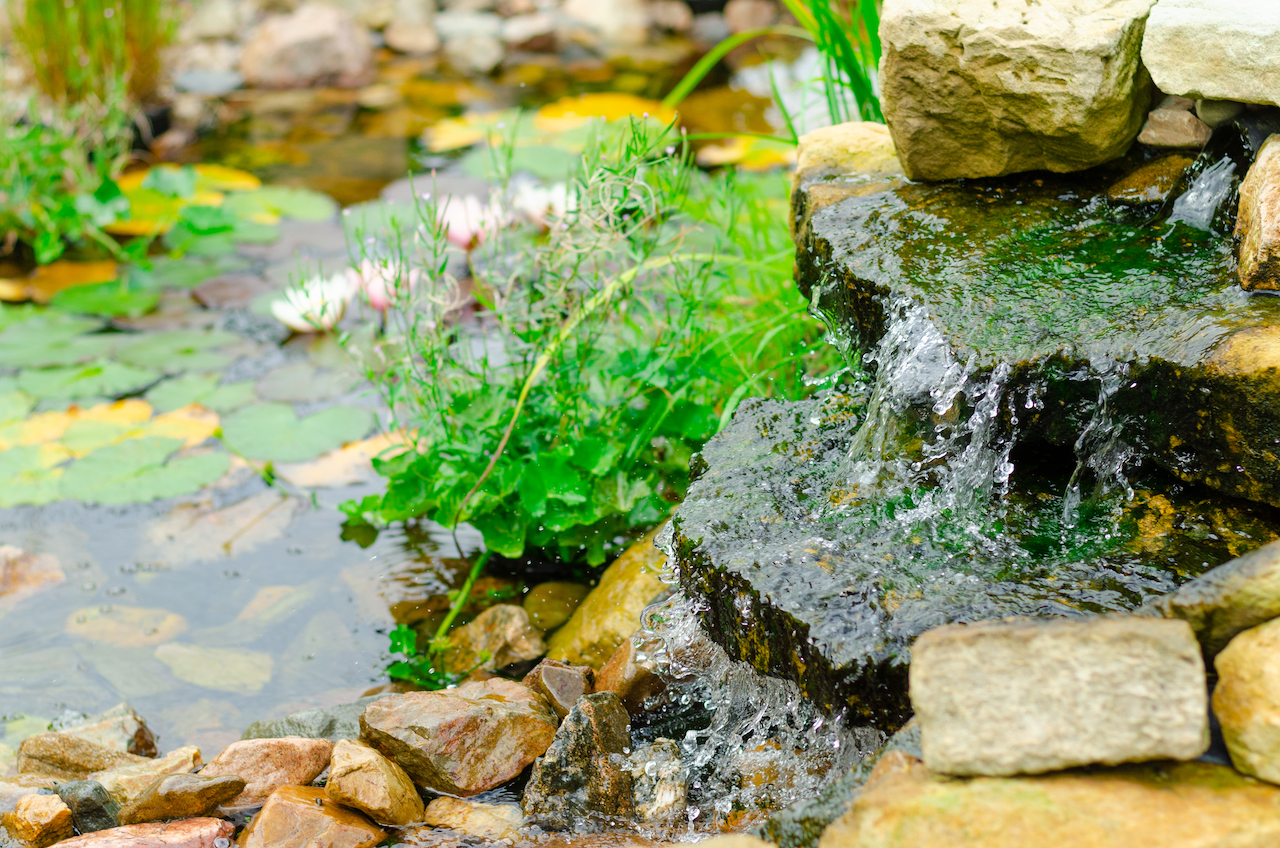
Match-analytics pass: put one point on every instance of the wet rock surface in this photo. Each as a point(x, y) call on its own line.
point(127, 783)
point(181, 796)
point(363, 779)
point(1152, 183)
point(188, 833)
point(1246, 700)
point(495, 822)
point(23, 574)
point(1027, 697)
point(267, 764)
point(69, 757)
point(119, 728)
point(1258, 222)
point(37, 821)
point(560, 683)
point(659, 782)
point(299, 816)
point(584, 780)
point(332, 723)
point(495, 638)
point(631, 674)
point(92, 807)
point(461, 741)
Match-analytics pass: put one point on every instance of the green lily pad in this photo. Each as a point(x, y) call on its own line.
point(203, 389)
point(179, 350)
point(84, 437)
point(140, 470)
point(25, 480)
point(113, 299)
point(10, 314)
point(248, 232)
point(300, 204)
point(47, 325)
point(15, 405)
point(168, 272)
point(99, 378)
point(58, 350)
point(301, 381)
point(273, 431)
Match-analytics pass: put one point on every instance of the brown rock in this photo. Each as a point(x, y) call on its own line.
point(461, 741)
point(316, 45)
point(1247, 700)
point(127, 783)
point(119, 728)
point(229, 291)
point(551, 604)
point(37, 821)
point(23, 574)
point(611, 613)
point(490, 822)
point(857, 147)
point(362, 778)
point(742, 15)
point(1178, 805)
point(303, 817)
point(188, 833)
point(561, 684)
point(496, 637)
point(1174, 128)
point(632, 678)
point(268, 764)
point(1258, 222)
point(182, 796)
point(68, 757)
point(1151, 183)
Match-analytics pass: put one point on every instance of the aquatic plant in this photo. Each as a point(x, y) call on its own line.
point(315, 304)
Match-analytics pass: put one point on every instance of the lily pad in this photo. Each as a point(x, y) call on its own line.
point(204, 389)
point(300, 204)
point(56, 350)
point(101, 378)
point(273, 431)
point(140, 470)
point(179, 350)
point(167, 272)
point(113, 299)
point(15, 405)
point(301, 381)
point(48, 324)
point(26, 477)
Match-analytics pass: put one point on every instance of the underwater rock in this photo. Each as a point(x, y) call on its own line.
point(332, 723)
point(1247, 700)
point(187, 833)
point(92, 807)
point(1025, 697)
point(461, 741)
point(550, 604)
point(182, 796)
point(584, 779)
point(611, 612)
point(1211, 49)
point(38, 821)
point(490, 822)
point(23, 574)
point(119, 728)
point(1226, 600)
point(315, 45)
point(127, 783)
point(956, 109)
point(302, 816)
point(1179, 805)
point(495, 638)
point(361, 778)
point(69, 757)
point(659, 782)
point(1258, 221)
point(561, 684)
point(1152, 183)
point(267, 764)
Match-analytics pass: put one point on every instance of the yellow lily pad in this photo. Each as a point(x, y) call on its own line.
point(48, 280)
point(569, 113)
point(749, 154)
point(457, 133)
point(193, 424)
point(221, 178)
point(46, 427)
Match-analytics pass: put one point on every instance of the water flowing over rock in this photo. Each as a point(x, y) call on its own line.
point(1258, 223)
point(268, 764)
point(302, 816)
point(181, 796)
point(975, 88)
point(490, 822)
point(1247, 700)
point(1214, 49)
point(659, 782)
point(361, 778)
point(1026, 697)
point(188, 833)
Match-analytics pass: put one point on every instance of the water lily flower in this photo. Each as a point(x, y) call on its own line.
point(382, 281)
point(544, 204)
point(468, 220)
point(317, 304)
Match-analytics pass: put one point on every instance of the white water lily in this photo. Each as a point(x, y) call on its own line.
point(316, 305)
point(543, 204)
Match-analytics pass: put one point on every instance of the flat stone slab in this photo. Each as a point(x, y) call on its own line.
point(1215, 49)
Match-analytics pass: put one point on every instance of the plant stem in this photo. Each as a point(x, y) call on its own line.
point(442, 632)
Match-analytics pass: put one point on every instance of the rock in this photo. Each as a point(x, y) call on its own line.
point(659, 782)
point(488, 822)
point(1258, 221)
point(188, 833)
point(956, 109)
point(125, 627)
point(214, 19)
point(228, 291)
point(1215, 113)
point(1180, 805)
point(267, 764)
point(119, 728)
point(69, 757)
point(611, 612)
point(332, 723)
point(857, 147)
point(471, 40)
point(672, 15)
point(535, 31)
point(550, 604)
point(734, 840)
point(1152, 183)
point(1247, 700)
point(709, 29)
point(14, 788)
point(1208, 49)
point(38, 821)
point(127, 783)
point(741, 15)
point(361, 778)
point(630, 676)
point(561, 684)
point(410, 29)
point(584, 781)
point(619, 22)
point(1174, 128)
point(495, 638)
point(24, 574)
point(181, 796)
point(1227, 600)
point(1026, 697)
point(302, 816)
point(237, 670)
point(316, 45)
point(92, 807)
point(461, 741)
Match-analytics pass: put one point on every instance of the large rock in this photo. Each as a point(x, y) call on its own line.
point(1227, 600)
point(119, 728)
point(1025, 697)
point(303, 817)
point(461, 741)
point(981, 88)
point(181, 796)
point(611, 612)
point(632, 674)
point(1247, 700)
point(332, 723)
point(268, 764)
point(1184, 805)
point(495, 638)
point(550, 604)
point(38, 821)
point(92, 807)
point(315, 45)
point(1258, 221)
point(1214, 50)
point(188, 833)
point(361, 778)
point(127, 783)
point(583, 782)
point(69, 757)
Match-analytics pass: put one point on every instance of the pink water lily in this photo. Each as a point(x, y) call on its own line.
point(383, 282)
point(468, 220)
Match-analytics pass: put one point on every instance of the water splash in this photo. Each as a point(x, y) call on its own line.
point(1100, 450)
point(1197, 206)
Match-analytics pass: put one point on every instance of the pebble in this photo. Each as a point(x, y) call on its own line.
point(561, 684)
point(1174, 128)
point(361, 778)
point(180, 796)
point(92, 807)
point(303, 817)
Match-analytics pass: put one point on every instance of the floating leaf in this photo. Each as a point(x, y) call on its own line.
point(343, 467)
point(192, 424)
point(572, 112)
point(56, 350)
point(44, 427)
point(457, 133)
point(302, 381)
point(171, 181)
point(179, 350)
point(550, 164)
point(300, 204)
point(272, 431)
point(50, 279)
point(203, 389)
point(168, 272)
point(222, 178)
point(101, 378)
point(749, 154)
point(15, 405)
point(114, 299)
point(85, 436)
point(28, 477)
point(136, 470)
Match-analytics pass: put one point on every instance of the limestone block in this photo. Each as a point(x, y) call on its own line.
point(1030, 696)
point(981, 88)
point(1247, 700)
point(127, 783)
point(1258, 222)
point(38, 821)
point(315, 45)
point(1215, 49)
